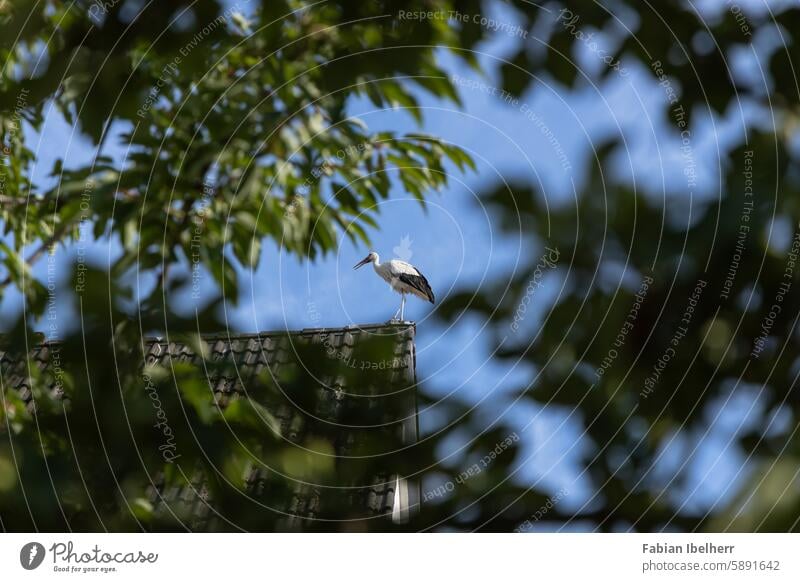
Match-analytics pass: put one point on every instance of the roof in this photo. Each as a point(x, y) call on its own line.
point(351, 389)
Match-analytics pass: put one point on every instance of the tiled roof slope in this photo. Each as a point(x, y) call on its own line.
point(341, 397)
point(16, 375)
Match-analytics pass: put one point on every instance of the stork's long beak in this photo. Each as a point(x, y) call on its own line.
point(362, 263)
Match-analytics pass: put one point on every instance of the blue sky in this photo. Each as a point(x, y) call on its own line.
point(457, 245)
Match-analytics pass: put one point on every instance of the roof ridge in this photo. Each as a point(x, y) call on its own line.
point(396, 326)
point(309, 330)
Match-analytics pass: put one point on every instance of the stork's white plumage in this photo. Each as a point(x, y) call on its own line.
point(403, 278)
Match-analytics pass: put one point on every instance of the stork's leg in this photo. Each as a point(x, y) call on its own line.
point(399, 310)
point(402, 306)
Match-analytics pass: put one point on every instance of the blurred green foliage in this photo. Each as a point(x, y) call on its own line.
point(246, 136)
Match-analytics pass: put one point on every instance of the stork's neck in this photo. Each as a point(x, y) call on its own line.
point(377, 262)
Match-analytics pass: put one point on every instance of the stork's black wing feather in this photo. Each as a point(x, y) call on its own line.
point(418, 282)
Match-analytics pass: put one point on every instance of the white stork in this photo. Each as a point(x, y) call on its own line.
point(403, 278)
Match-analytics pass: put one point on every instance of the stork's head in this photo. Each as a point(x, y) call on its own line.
point(370, 258)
